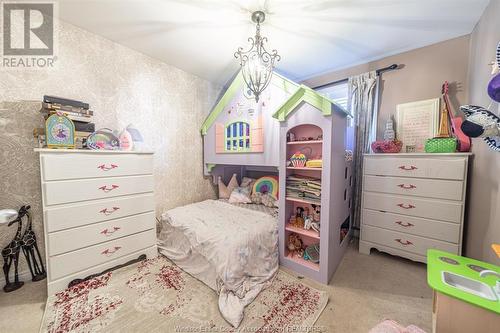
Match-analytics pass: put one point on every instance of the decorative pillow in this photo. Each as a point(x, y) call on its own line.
point(263, 199)
point(240, 195)
point(256, 198)
point(267, 184)
point(269, 201)
point(248, 182)
point(225, 191)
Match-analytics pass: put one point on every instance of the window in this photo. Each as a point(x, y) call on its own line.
point(339, 93)
point(238, 136)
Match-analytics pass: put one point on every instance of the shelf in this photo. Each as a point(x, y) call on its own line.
point(304, 168)
point(308, 233)
point(303, 262)
point(302, 201)
point(304, 142)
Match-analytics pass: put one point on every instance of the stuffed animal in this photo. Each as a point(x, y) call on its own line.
point(481, 123)
point(295, 245)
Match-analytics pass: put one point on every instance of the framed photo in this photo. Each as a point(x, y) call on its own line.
point(417, 122)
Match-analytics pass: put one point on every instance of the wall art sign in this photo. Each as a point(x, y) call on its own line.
point(417, 122)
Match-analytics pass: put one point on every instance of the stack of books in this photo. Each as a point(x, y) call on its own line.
point(303, 187)
point(78, 112)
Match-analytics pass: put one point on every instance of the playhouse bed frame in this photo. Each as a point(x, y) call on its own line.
point(253, 139)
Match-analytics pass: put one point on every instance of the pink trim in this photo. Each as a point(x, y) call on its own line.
point(103, 167)
point(107, 212)
point(107, 189)
point(108, 251)
point(219, 138)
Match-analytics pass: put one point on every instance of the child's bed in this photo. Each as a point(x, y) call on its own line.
point(231, 248)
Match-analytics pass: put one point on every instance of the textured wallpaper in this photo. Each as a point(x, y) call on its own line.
point(122, 86)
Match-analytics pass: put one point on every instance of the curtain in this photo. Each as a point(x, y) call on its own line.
point(363, 104)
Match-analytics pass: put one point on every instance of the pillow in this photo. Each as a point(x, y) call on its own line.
point(247, 182)
point(267, 184)
point(225, 191)
point(264, 199)
point(240, 195)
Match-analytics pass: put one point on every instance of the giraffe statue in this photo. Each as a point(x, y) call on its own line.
point(10, 255)
point(30, 249)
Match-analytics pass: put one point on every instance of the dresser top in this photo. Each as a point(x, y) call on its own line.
point(89, 151)
point(420, 154)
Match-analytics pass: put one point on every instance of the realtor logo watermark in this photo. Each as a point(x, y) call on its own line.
point(28, 35)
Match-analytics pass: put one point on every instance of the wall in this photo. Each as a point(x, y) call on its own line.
point(122, 86)
point(424, 71)
point(483, 227)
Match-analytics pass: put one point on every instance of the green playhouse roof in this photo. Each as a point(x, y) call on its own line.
point(299, 93)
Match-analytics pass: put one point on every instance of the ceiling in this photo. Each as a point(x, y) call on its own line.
point(312, 36)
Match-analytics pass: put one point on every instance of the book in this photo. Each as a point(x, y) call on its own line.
point(65, 101)
point(68, 108)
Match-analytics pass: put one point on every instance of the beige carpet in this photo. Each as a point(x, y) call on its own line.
point(157, 296)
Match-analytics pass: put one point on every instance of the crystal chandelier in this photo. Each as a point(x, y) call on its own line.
point(257, 63)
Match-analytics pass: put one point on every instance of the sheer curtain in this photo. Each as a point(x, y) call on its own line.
point(363, 104)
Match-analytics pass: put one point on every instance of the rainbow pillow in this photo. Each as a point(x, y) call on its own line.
point(267, 184)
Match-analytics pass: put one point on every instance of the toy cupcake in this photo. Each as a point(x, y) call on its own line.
point(298, 160)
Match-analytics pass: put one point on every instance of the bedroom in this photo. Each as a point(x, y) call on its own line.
point(261, 196)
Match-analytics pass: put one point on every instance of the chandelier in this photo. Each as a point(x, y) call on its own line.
point(257, 63)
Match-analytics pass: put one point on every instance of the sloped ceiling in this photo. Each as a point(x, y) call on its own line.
point(312, 36)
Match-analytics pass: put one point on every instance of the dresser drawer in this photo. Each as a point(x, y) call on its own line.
point(76, 215)
point(77, 238)
point(445, 231)
point(405, 242)
point(441, 168)
point(406, 205)
point(92, 165)
point(432, 188)
point(72, 262)
point(66, 191)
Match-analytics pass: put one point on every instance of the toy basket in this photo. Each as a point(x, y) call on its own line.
point(441, 145)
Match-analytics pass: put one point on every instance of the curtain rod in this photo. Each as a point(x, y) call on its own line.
point(378, 71)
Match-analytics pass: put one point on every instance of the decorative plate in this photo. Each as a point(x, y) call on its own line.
point(103, 139)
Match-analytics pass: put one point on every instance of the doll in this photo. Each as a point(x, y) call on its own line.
point(295, 245)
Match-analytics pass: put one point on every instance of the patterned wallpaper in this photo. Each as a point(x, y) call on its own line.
point(122, 86)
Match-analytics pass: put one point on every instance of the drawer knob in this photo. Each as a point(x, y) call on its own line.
point(107, 211)
point(406, 225)
point(407, 187)
point(406, 168)
point(107, 232)
point(105, 167)
point(113, 250)
point(405, 243)
point(107, 189)
point(406, 206)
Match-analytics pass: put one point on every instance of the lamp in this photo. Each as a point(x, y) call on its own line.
point(257, 63)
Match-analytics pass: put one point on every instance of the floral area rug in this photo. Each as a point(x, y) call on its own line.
point(157, 296)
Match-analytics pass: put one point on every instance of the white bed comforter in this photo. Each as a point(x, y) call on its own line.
point(240, 245)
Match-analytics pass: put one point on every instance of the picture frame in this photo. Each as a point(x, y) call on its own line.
point(417, 122)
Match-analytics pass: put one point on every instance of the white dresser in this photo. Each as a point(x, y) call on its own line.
point(98, 209)
point(413, 202)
